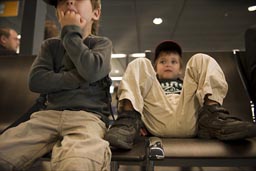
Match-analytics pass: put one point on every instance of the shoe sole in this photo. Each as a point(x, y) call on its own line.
point(242, 131)
point(115, 142)
point(247, 131)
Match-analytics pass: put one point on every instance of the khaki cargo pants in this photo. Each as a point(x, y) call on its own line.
point(172, 115)
point(74, 137)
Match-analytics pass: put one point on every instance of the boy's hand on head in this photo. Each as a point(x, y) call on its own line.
point(71, 18)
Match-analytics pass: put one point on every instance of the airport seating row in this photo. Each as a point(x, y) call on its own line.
point(16, 99)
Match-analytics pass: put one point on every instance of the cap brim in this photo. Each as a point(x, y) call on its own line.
point(51, 2)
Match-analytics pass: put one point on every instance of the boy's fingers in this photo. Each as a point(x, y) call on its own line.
point(143, 132)
point(60, 14)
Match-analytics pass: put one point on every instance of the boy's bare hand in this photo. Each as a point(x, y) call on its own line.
point(143, 132)
point(71, 17)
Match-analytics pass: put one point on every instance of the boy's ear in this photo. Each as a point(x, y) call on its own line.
point(96, 14)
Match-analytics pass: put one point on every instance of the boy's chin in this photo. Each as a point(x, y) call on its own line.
point(168, 77)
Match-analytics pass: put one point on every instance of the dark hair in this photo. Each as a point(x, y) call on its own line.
point(167, 46)
point(167, 52)
point(5, 32)
point(50, 29)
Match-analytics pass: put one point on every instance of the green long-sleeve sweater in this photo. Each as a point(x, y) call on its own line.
point(73, 72)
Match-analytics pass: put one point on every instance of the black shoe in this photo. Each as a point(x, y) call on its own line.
point(216, 122)
point(124, 130)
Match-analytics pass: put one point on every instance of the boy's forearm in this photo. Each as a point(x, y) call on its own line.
point(42, 81)
point(91, 57)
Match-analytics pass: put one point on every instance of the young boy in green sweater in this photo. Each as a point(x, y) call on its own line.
point(72, 71)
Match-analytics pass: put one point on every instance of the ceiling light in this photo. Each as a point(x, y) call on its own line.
point(116, 71)
point(157, 21)
point(111, 89)
point(138, 55)
point(252, 8)
point(118, 55)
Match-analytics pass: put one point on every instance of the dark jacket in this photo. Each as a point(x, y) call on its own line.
point(4, 51)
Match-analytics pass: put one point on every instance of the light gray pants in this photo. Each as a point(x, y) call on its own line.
point(74, 137)
point(172, 115)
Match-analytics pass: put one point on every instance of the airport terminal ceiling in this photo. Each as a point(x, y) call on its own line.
point(199, 25)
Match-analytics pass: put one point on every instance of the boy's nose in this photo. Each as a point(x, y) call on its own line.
point(168, 63)
point(70, 2)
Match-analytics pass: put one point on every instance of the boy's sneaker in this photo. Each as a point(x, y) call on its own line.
point(216, 122)
point(124, 130)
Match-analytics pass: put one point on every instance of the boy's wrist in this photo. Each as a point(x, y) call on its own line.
point(70, 29)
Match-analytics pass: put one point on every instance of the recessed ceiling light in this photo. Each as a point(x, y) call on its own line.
point(157, 21)
point(116, 71)
point(252, 8)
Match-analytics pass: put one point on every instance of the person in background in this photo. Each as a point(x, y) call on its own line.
point(50, 29)
point(9, 41)
point(170, 106)
point(72, 70)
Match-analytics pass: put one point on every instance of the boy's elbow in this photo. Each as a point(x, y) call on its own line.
point(90, 78)
point(33, 86)
point(93, 76)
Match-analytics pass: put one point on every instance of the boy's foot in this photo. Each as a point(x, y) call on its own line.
point(216, 122)
point(124, 130)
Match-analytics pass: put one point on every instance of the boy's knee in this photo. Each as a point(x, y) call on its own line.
point(140, 61)
point(201, 59)
point(201, 56)
point(141, 64)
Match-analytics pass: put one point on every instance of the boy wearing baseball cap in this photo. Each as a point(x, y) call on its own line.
point(167, 105)
point(72, 71)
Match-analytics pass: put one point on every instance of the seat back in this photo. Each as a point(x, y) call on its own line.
point(240, 58)
point(15, 98)
point(248, 60)
point(237, 100)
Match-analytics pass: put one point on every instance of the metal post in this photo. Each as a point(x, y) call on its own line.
point(32, 31)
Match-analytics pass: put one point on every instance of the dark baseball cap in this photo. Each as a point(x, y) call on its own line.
point(51, 2)
point(167, 45)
